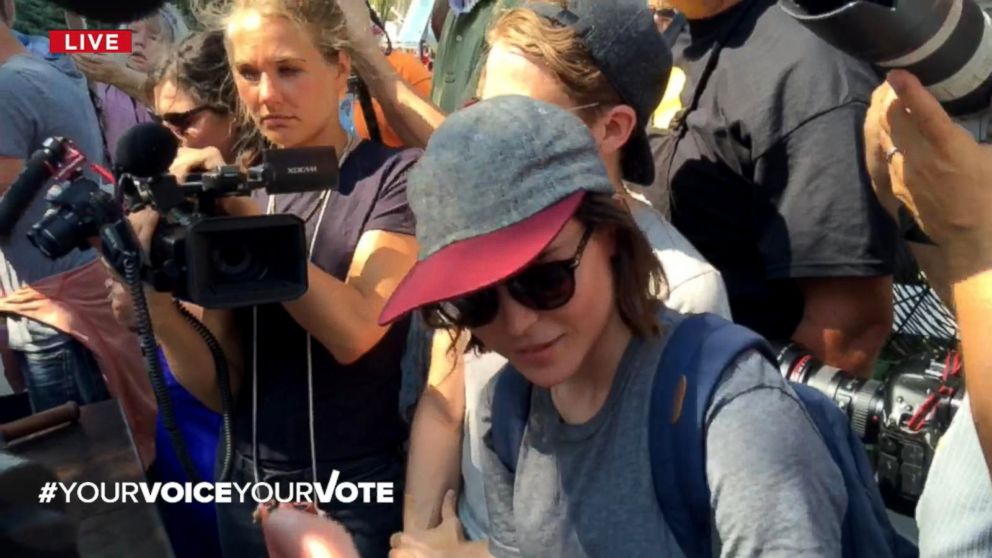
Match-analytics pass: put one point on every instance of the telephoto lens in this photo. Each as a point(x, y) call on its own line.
point(863, 400)
point(947, 44)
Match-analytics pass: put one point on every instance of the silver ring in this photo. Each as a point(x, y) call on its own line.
point(891, 153)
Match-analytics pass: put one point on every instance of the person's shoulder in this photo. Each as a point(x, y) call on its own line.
point(801, 59)
point(781, 76)
point(39, 72)
point(661, 234)
point(488, 393)
point(750, 373)
point(26, 72)
point(380, 162)
point(680, 260)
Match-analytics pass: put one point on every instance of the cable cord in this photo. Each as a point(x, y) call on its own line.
point(149, 351)
point(223, 384)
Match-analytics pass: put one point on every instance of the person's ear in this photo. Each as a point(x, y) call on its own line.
point(614, 127)
point(344, 67)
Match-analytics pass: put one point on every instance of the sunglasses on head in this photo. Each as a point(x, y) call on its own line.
point(540, 286)
point(181, 121)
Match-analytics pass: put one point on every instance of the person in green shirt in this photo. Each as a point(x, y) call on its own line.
point(461, 50)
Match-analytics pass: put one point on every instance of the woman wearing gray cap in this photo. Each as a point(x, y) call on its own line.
point(528, 249)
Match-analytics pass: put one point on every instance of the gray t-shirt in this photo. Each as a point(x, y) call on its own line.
point(694, 286)
point(586, 490)
point(39, 100)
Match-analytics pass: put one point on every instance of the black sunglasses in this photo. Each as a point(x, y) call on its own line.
point(541, 286)
point(181, 121)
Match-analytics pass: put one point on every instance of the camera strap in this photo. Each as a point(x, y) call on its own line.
point(349, 147)
point(678, 127)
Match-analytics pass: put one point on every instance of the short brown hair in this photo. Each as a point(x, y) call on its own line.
point(199, 67)
point(561, 50)
point(639, 283)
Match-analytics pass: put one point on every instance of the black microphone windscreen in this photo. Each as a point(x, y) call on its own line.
point(111, 11)
point(145, 150)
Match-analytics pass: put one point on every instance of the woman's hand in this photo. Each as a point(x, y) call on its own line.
point(189, 160)
point(444, 541)
point(103, 68)
point(143, 223)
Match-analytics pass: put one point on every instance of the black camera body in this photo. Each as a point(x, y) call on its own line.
point(78, 208)
point(219, 261)
point(900, 419)
point(212, 260)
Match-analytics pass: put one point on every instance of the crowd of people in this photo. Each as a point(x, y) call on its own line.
point(529, 242)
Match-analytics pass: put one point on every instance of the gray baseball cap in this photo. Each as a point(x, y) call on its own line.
point(630, 51)
point(495, 185)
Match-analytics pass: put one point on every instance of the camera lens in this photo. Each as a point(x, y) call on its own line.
point(863, 400)
point(236, 263)
point(55, 233)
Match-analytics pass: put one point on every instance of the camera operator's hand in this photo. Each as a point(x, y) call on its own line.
point(190, 159)
point(878, 165)
point(143, 223)
point(936, 170)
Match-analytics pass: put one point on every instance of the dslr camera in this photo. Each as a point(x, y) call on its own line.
point(900, 419)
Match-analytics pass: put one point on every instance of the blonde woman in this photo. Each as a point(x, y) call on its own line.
point(316, 379)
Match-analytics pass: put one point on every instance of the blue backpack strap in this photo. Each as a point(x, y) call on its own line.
point(867, 530)
point(511, 407)
point(698, 351)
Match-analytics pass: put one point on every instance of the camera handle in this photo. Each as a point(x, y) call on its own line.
point(122, 250)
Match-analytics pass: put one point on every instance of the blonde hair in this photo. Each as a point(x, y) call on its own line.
point(172, 21)
point(561, 51)
point(322, 21)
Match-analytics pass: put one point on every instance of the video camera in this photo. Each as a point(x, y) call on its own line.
point(223, 261)
point(901, 418)
point(211, 260)
point(947, 44)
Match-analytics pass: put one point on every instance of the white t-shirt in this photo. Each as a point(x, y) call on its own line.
point(954, 514)
point(694, 286)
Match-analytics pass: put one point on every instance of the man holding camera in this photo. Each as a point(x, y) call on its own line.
point(768, 185)
point(59, 323)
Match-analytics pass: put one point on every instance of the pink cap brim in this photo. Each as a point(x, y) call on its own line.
point(476, 263)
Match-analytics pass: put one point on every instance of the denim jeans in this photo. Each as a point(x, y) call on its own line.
point(62, 373)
